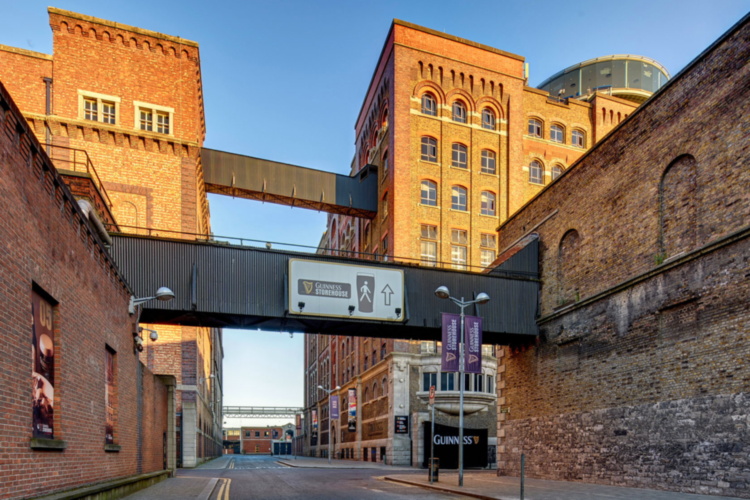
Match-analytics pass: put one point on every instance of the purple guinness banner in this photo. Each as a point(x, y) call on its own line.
point(451, 339)
point(473, 334)
point(335, 407)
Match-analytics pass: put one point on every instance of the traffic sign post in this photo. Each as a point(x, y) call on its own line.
point(431, 465)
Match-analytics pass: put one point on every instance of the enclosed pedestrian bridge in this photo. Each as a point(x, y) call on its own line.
point(232, 286)
point(265, 180)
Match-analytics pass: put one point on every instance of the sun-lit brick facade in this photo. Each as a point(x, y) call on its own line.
point(129, 101)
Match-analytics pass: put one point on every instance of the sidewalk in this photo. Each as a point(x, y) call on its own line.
point(322, 463)
point(486, 485)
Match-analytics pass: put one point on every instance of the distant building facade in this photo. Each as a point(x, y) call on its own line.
point(460, 142)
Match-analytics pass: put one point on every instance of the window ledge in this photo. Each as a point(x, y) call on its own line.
point(112, 447)
point(429, 206)
point(492, 216)
point(488, 174)
point(460, 211)
point(48, 444)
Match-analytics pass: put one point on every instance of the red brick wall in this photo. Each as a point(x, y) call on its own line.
point(48, 244)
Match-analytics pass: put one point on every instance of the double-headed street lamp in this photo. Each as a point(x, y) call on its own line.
point(330, 436)
point(442, 292)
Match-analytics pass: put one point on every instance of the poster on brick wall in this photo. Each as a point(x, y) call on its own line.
point(42, 367)
point(352, 413)
point(109, 395)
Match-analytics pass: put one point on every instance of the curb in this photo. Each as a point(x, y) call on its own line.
point(444, 489)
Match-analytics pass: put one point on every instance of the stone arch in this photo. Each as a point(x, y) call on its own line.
point(677, 207)
point(568, 261)
point(464, 96)
point(106, 36)
point(428, 86)
point(492, 103)
point(64, 27)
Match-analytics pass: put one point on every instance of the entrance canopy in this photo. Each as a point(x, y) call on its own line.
point(221, 285)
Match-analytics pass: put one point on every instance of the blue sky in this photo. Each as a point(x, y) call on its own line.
point(284, 80)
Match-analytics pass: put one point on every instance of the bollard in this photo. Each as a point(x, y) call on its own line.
point(523, 466)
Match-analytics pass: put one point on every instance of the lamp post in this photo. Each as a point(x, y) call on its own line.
point(442, 292)
point(330, 436)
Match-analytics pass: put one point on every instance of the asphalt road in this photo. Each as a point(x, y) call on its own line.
point(260, 477)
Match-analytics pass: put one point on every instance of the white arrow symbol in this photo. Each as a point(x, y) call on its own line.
point(387, 292)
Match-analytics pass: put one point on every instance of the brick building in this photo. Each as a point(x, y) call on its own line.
point(640, 374)
point(93, 413)
point(259, 440)
point(461, 142)
point(121, 108)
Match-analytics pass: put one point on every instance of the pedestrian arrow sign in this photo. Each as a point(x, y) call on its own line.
point(344, 290)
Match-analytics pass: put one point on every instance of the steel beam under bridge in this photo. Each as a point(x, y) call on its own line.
point(220, 285)
point(260, 411)
point(264, 180)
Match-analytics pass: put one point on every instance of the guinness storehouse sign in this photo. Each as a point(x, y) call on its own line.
point(446, 441)
point(345, 291)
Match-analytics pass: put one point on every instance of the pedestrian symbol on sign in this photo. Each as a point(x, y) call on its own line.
point(365, 287)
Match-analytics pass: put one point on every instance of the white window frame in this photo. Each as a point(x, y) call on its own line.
point(83, 95)
point(155, 110)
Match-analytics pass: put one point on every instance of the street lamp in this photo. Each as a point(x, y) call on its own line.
point(442, 292)
point(330, 436)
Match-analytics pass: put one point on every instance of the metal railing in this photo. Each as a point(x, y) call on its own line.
point(261, 411)
point(77, 160)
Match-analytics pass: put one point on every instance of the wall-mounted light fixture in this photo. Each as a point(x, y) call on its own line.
point(163, 294)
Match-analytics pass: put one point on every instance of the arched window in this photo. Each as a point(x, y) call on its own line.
point(459, 111)
point(488, 119)
point(579, 139)
point(488, 162)
point(557, 171)
point(429, 149)
point(536, 172)
point(567, 267)
point(556, 133)
point(367, 394)
point(488, 203)
point(678, 207)
point(374, 390)
point(429, 193)
point(384, 118)
point(459, 156)
point(458, 198)
point(384, 387)
point(429, 104)
point(535, 127)
point(384, 164)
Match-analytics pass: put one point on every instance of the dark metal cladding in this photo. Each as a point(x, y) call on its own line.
point(274, 182)
point(220, 285)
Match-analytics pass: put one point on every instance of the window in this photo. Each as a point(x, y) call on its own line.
point(366, 362)
point(490, 384)
point(459, 112)
point(459, 250)
point(257, 434)
point(488, 243)
point(488, 203)
point(557, 171)
point(579, 139)
point(98, 107)
point(535, 172)
point(428, 246)
point(535, 128)
point(488, 119)
point(478, 377)
point(384, 205)
point(488, 162)
point(384, 247)
point(153, 118)
point(556, 133)
point(429, 149)
point(458, 156)
point(266, 434)
point(458, 198)
point(247, 434)
point(428, 380)
point(429, 105)
point(429, 193)
point(382, 355)
point(385, 165)
point(447, 382)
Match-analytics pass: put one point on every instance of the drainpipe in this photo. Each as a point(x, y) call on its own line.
point(90, 213)
point(48, 111)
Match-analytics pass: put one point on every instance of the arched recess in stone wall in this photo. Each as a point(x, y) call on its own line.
point(568, 261)
point(678, 207)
